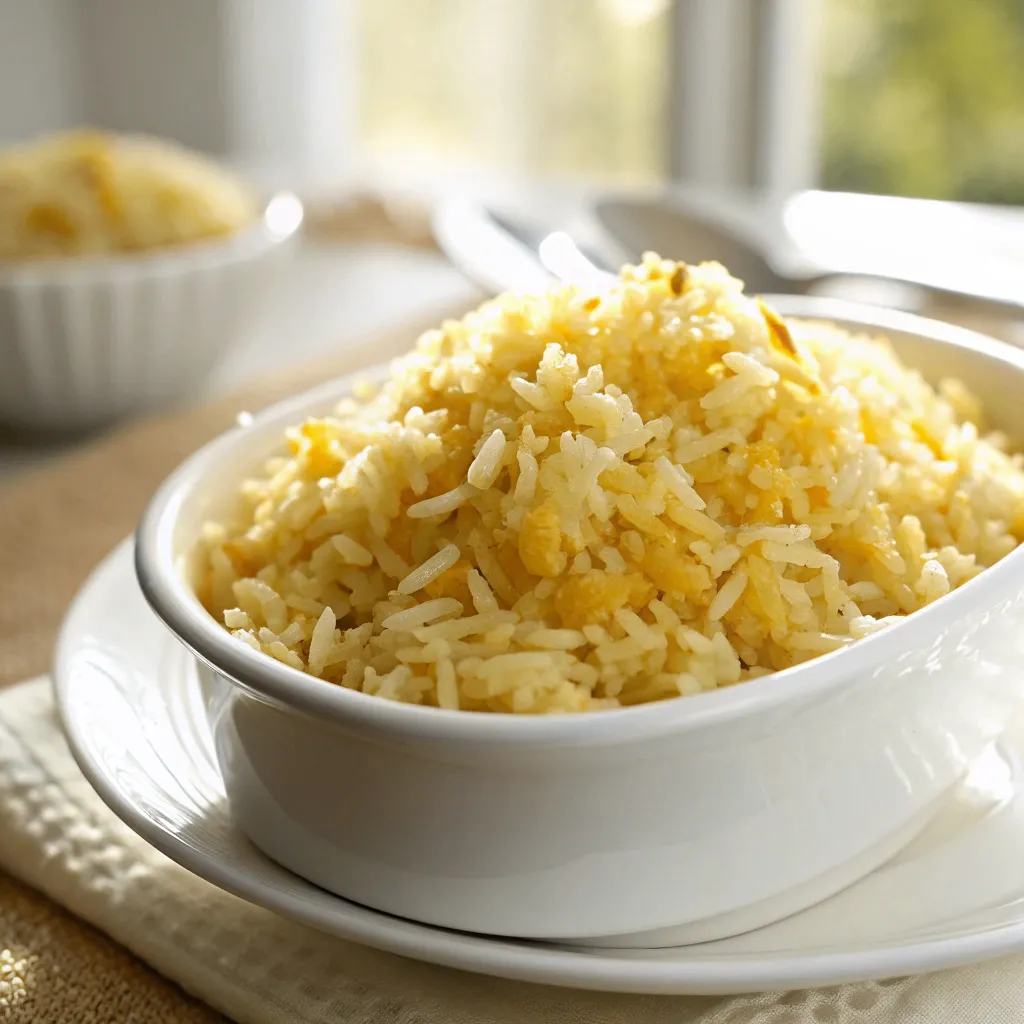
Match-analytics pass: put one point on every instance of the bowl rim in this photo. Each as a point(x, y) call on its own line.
point(173, 601)
point(279, 220)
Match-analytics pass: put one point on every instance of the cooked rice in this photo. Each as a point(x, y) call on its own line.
point(88, 193)
point(574, 501)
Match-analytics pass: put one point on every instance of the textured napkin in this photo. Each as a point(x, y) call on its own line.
point(260, 969)
point(57, 836)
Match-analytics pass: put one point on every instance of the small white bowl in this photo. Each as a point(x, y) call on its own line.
point(84, 341)
point(680, 821)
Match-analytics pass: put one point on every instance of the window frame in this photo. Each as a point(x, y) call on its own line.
point(745, 95)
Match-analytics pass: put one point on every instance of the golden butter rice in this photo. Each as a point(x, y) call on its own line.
point(89, 193)
point(579, 501)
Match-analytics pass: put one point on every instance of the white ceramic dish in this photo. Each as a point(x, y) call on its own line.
point(86, 341)
point(136, 716)
point(688, 819)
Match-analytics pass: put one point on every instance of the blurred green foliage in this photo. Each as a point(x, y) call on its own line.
point(925, 98)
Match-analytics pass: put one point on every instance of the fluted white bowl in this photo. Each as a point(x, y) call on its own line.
point(88, 340)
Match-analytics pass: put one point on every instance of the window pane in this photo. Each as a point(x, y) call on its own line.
point(563, 88)
point(925, 98)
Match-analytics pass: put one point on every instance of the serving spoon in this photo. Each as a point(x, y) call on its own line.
point(502, 251)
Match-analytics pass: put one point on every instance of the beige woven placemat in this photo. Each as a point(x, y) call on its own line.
point(57, 523)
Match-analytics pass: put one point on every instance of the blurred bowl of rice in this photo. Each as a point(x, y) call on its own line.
point(640, 617)
point(128, 269)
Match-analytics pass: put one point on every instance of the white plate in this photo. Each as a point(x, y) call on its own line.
point(132, 707)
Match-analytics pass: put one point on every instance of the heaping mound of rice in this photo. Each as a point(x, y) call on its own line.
point(572, 501)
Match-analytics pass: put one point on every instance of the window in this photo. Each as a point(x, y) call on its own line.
point(553, 88)
point(907, 97)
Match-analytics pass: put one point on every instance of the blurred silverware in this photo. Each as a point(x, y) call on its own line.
point(922, 253)
point(485, 251)
point(503, 251)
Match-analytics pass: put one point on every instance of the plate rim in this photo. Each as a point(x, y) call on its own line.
point(511, 959)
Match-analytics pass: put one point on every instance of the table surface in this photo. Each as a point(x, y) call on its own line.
point(333, 296)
